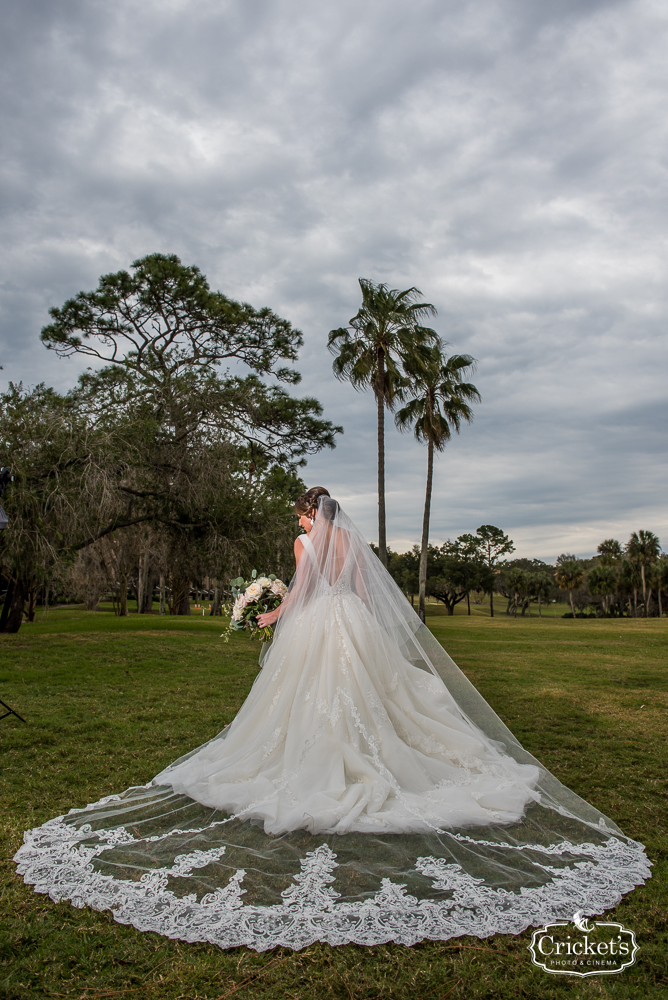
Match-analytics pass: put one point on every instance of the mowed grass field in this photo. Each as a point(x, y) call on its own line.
point(111, 701)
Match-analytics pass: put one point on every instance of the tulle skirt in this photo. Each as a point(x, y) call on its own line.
point(341, 733)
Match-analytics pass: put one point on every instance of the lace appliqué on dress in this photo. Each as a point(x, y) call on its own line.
point(58, 859)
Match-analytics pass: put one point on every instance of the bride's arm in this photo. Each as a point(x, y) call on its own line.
point(269, 617)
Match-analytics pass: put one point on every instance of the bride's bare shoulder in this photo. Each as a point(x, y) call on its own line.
point(300, 544)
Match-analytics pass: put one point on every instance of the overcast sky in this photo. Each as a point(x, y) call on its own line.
point(508, 158)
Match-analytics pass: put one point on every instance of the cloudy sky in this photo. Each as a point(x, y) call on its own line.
point(508, 157)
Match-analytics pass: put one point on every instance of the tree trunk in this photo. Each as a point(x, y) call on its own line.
point(659, 596)
point(468, 602)
point(162, 594)
point(15, 616)
point(424, 551)
point(123, 596)
point(380, 402)
point(147, 603)
point(142, 580)
point(180, 597)
point(635, 602)
point(9, 595)
point(215, 607)
point(92, 600)
point(644, 587)
point(32, 601)
point(540, 612)
point(570, 595)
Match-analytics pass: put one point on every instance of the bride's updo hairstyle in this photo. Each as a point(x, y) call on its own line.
point(308, 501)
point(327, 508)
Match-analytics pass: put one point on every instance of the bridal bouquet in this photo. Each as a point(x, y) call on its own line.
point(252, 598)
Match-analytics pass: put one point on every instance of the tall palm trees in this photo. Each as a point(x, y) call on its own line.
point(643, 548)
point(439, 399)
point(384, 336)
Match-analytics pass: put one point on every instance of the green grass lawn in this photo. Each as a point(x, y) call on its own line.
point(111, 701)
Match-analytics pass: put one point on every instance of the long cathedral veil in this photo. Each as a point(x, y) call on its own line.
point(339, 557)
point(163, 861)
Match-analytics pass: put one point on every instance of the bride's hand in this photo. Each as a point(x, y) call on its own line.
point(268, 618)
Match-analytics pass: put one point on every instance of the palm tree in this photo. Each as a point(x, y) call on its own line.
point(643, 548)
point(569, 576)
point(541, 586)
point(610, 552)
point(602, 582)
point(629, 581)
point(654, 580)
point(517, 585)
point(662, 580)
point(440, 402)
point(384, 335)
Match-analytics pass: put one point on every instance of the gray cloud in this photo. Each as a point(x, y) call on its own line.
point(507, 158)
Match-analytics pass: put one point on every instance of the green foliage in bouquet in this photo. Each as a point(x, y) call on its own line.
point(253, 597)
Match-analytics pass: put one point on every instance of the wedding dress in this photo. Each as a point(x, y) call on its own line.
point(365, 792)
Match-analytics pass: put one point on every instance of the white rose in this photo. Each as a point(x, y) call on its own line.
point(264, 581)
point(253, 592)
point(278, 588)
point(239, 605)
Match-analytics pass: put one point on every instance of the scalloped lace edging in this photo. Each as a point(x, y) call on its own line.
point(55, 861)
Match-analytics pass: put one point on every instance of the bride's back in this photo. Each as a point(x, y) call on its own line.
point(331, 545)
point(337, 560)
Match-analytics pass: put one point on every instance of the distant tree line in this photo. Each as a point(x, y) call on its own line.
point(173, 464)
point(628, 580)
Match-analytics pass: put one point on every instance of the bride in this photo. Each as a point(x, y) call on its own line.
point(365, 792)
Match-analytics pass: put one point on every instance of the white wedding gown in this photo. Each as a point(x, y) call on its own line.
point(341, 733)
point(365, 792)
